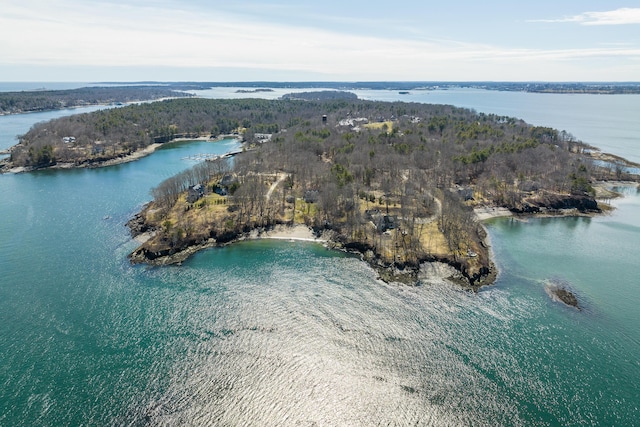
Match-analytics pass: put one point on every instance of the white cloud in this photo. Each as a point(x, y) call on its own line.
point(622, 16)
point(72, 33)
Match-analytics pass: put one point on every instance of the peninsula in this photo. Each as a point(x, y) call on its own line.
point(397, 182)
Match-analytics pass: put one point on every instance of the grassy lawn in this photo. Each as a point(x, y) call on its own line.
point(380, 125)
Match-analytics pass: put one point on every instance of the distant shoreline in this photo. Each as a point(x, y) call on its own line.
point(98, 104)
point(74, 107)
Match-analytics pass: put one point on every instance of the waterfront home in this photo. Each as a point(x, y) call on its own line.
point(195, 193)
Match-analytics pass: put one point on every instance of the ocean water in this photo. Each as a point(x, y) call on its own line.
point(290, 333)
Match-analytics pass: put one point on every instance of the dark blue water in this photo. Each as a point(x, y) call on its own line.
point(280, 333)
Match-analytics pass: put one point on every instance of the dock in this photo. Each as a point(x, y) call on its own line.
point(209, 157)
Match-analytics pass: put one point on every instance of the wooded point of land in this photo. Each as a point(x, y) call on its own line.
point(395, 181)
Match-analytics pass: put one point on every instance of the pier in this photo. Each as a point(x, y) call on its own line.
point(209, 157)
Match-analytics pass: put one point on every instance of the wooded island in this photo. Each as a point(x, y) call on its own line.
point(47, 100)
point(396, 182)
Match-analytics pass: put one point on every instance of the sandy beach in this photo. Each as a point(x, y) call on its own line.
point(131, 157)
point(491, 212)
point(296, 232)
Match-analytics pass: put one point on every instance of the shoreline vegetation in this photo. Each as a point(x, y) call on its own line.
point(118, 160)
point(403, 184)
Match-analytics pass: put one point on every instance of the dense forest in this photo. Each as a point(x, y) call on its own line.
point(42, 100)
point(396, 181)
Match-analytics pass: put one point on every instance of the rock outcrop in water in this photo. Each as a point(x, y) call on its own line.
point(567, 297)
point(137, 225)
point(558, 290)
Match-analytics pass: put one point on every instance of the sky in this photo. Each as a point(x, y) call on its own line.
point(331, 40)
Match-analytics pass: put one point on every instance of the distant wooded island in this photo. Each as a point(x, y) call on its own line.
point(254, 90)
point(46, 100)
point(604, 88)
point(394, 181)
point(322, 95)
point(598, 88)
point(116, 93)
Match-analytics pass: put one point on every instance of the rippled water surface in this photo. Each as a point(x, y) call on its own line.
point(290, 333)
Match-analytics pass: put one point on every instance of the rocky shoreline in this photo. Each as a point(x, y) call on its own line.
point(407, 273)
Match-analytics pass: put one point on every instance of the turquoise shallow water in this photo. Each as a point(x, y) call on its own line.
point(281, 333)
